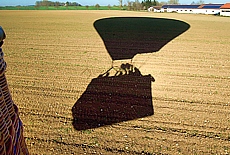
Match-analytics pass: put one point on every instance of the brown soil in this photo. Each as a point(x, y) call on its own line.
point(55, 57)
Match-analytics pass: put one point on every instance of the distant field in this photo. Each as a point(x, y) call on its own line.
point(53, 56)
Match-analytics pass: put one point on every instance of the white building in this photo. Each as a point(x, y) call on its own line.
point(179, 8)
point(225, 10)
point(154, 9)
point(210, 9)
point(197, 9)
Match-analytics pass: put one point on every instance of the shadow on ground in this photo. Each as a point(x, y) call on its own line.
point(108, 99)
point(124, 37)
point(123, 93)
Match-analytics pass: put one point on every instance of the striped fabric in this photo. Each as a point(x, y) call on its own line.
point(12, 141)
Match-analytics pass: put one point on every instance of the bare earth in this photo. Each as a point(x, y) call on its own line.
point(52, 57)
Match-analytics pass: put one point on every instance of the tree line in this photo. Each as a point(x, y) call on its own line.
point(50, 3)
point(143, 5)
point(130, 5)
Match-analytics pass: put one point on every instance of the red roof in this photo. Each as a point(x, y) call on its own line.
point(201, 6)
point(225, 6)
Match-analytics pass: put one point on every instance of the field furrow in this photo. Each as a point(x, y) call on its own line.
point(173, 101)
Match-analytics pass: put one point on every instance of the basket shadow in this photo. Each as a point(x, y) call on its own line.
point(110, 99)
point(124, 37)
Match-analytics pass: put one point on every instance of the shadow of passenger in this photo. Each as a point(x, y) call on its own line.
point(120, 94)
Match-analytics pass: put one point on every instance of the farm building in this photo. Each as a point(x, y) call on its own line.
point(155, 9)
point(197, 9)
point(225, 10)
point(211, 9)
point(179, 8)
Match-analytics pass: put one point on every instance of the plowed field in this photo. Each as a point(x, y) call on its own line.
point(55, 60)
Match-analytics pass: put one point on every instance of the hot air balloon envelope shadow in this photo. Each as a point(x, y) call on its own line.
point(112, 99)
point(124, 37)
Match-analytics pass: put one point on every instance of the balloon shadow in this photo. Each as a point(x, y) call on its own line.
point(123, 93)
point(112, 98)
point(124, 37)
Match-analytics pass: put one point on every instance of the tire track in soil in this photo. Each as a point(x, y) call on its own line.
point(86, 146)
point(200, 131)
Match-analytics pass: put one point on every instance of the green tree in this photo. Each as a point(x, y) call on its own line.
point(148, 3)
point(109, 6)
point(36, 7)
point(67, 5)
point(135, 6)
point(162, 3)
point(129, 5)
point(57, 5)
point(97, 6)
point(120, 3)
point(75, 4)
point(200, 2)
point(18, 7)
point(138, 5)
point(37, 3)
point(173, 2)
point(193, 3)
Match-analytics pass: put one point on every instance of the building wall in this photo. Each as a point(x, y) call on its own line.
point(152, 9)
point(225, 12)
point(156, 10)
point(189, 10)
point(212, 11)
